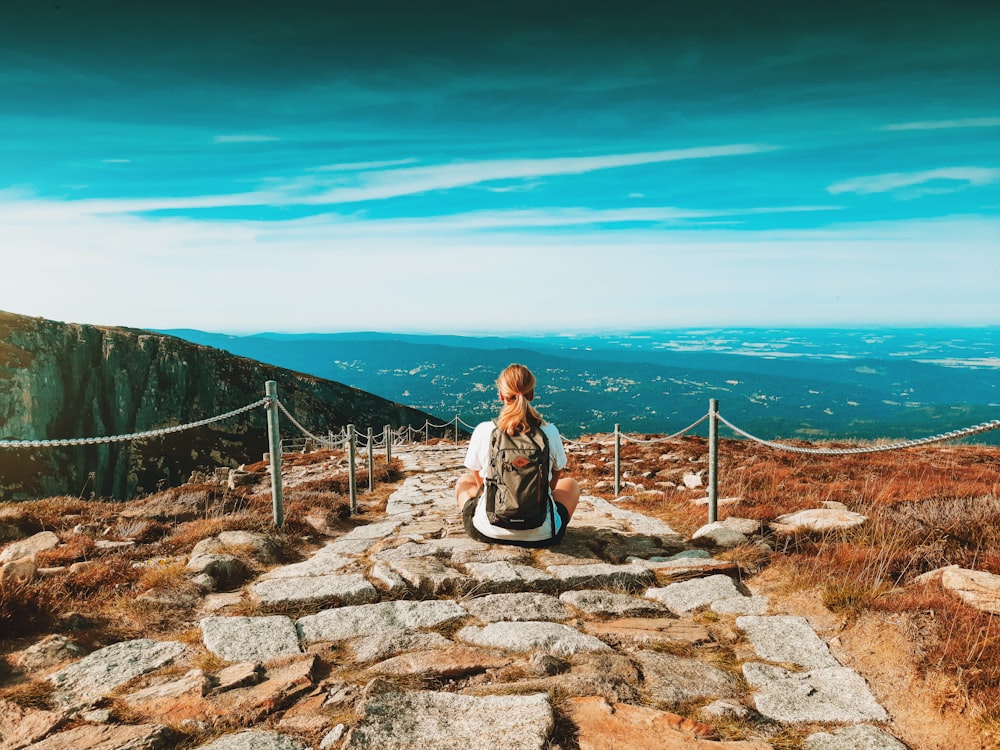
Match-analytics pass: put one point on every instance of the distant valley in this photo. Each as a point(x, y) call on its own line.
point(793, 384)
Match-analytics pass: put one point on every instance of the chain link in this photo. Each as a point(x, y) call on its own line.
point(953, 435)
point(131, 436)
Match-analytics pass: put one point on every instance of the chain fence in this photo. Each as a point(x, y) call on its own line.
point(449, 435)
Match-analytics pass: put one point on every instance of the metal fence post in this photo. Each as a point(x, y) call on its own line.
point(713, 460)
point(274, 446)
point(352, 469)
point(387, 434)
point(618, 460)
point(427, 432)
point(371, 461)
point(456, 429)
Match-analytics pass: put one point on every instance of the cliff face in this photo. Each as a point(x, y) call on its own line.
point(61, 380)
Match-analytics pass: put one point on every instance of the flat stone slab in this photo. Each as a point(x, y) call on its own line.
point(639, 523)
point(833, 694)
point(449, 721)
point(648, 631)
point(599, 602)
point(522, 637)
point(612, 726)
point(323, 563)
point(784, 638)
point(372, 531)
point(336, 590)
point(685, 567)
point(428, 574)
point(818, 519)
point(111, 737)
point(250, 638)
point(384, 617)
point(255, 740)
point(631, 576)
point(517, 607)
point(976, 588)
point(505, 576)
point(99, 672)
point(690, 595)
point(405, 550)
point(858, 737)
point(677, 679)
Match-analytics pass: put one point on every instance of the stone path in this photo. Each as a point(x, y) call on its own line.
point(432, 640)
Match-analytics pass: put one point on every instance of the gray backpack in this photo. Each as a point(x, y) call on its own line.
point(517, 492)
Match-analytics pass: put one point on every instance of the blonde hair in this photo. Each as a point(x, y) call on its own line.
point(516, 386)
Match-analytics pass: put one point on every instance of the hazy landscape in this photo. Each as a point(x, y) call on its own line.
point(791, 383)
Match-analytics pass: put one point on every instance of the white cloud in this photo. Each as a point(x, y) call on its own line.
point(969, 122)
point(360, 166)
point(885, 183)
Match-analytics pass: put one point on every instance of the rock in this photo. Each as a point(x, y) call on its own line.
point(517, 607)
point(332, 737)
point(226, 571)
point(689, 595)
point(606, 674)
point(976, 588)
point(826, 694)
point(788, 639)
point(285, 680)
point(102, 671)
point(818, 519)
point(632, 576)
point(237, 675)
point(325, 562)
point(40, 542)
point(599, 602)
point(648, 631)
point(22, 569)
point(505, 576)
point(48, 652)
point(717, 535)
point(250, 638)
point(547, 637)
point(611, 726)
point(426, 719)
point(175, 701)
point(110, 737)
point(859, 737)
point(384, 617)
point(673, 680)
point(725, 709)
point(692, 481)
point(391, 581)
point(21, 726)
point(331, 590)
point(255, 740)
point(261, 546)
point(453, 662)
point(687, 566)
point(428, 575)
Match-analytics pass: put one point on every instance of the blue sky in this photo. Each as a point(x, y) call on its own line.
point(517, 166)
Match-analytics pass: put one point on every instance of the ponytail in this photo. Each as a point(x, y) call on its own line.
point(516, 386)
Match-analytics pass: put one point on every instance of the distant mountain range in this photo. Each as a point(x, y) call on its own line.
point(806, 384)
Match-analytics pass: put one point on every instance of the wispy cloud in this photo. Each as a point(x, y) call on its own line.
point(969, 122)
point(116, 161)
point(889, 182)
point(394, 183)
point(362, 166)
point(245, 138)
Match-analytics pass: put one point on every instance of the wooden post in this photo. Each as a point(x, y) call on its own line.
point(274, 446)
point(387, 433)
point(352, 469)
point(618, 460)
point(371, 461)
point(713, 460)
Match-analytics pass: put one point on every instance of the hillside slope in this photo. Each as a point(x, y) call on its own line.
point(66, 380)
